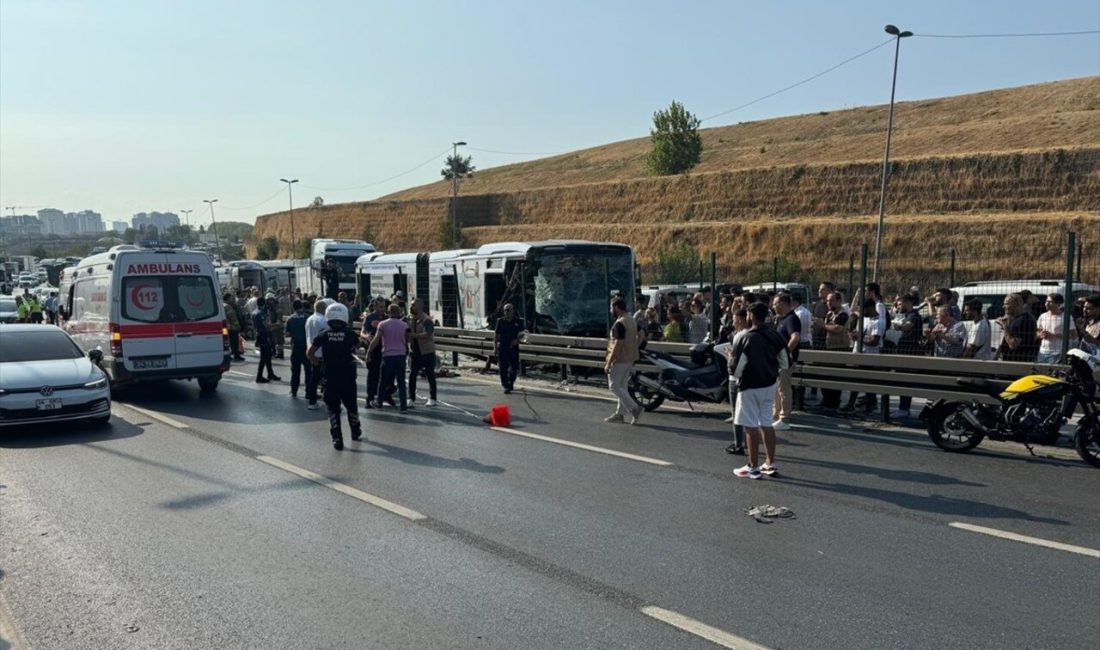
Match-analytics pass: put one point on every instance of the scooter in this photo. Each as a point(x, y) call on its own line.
point(1030, 410)
point(702, 379)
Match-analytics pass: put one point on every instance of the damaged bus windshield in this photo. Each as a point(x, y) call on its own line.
point(572, 285)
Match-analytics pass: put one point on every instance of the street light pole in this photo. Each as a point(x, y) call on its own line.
point(187, 221)
point(898, 35)
point(293, 240)
point(454, 193)
point(214, 227)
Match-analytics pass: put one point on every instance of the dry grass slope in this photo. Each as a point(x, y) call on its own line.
point(999, 176)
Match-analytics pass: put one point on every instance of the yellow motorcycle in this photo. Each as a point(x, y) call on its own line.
point(1030, 410)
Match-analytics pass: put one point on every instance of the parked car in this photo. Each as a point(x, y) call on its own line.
point(45, 378)
point(9, 312)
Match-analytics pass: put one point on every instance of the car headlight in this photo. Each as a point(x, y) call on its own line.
point(98, 383)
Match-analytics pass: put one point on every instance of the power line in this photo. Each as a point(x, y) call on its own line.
point(1019, 35)
point(517, 153)
point(256, 205)
point(804, 81)
point(384, 180)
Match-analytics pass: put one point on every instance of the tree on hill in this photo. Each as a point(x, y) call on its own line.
point(267, 249)
point(457, 166)
point(451, 238)
point(677, 146)
point(676, 264)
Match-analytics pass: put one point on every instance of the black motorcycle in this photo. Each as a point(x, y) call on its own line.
point(1030, 410)
point(702, 379)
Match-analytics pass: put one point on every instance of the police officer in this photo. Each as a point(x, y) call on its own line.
point(265, 344)
point(337, 344)
point(296, 328)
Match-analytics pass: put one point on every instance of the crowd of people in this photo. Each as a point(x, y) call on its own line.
point(29, 309)
point(766, 333)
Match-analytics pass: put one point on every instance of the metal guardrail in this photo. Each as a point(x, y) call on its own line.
point(884, 374)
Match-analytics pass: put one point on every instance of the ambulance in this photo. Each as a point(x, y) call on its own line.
point(154, 314)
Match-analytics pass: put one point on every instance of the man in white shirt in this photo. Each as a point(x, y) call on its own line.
point(1049, 330)
point(315, 324)
point(978, 337)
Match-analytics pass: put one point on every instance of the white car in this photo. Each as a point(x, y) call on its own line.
point(45, 377)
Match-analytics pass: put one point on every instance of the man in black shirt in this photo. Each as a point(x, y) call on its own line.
point(789, 328)
point(374, 357)
point(758, 359)
point(1020, 342)
point(337, 345)
point(509, 330)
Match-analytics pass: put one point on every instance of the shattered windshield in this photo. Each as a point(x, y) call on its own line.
point(572, 291)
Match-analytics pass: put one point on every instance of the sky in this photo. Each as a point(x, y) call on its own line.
point(126, 107)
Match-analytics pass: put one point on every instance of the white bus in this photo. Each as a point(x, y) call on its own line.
point(559, 287)
point(154, 314)
point(342, 254)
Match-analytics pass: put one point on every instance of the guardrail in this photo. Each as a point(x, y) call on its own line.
point(883, 374)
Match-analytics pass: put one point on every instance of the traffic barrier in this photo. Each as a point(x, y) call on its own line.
point(889, 374)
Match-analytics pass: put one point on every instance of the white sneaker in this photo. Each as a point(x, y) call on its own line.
point(431, 402)
point(781, 425)
point(314, 406)
point(637, 415)
point(614, 417)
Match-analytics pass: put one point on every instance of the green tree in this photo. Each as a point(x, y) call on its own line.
point(676, 264)
point(457, 166)
point(303, 250)
point(267, 249)
point(677, 146)
point(449, 238)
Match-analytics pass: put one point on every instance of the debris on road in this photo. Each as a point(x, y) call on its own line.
point(767, 514)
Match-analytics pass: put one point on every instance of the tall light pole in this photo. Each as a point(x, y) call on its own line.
point(454, 193)
point(214, 227)
point(293, 240)
point(898, 35)
point(187, 222)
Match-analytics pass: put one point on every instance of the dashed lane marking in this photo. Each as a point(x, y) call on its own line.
point(159, 417)
point(242, 374)
point(579, 445)
point(700, 629)
point(378, 502)
point(1037, 541)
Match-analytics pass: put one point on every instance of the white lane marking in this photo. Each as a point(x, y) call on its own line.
point(579, 445)
point(365, 497)
point(242, 374)
point(159, 417)
point(459, 408)
point(1037, 541)
point(700, 629)
point(569, 393)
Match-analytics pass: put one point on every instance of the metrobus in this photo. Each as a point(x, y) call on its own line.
point(559, 286)
point(245, 274)
point(343, 253)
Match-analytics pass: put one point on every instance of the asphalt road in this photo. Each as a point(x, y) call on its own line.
point(228, 521)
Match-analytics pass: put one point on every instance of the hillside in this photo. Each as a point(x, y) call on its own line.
point(997, 176)
point(1061, 114)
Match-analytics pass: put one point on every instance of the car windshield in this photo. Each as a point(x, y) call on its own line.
point(168, 299)
point(45, 344)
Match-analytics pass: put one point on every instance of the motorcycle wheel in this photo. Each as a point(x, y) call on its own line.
point(648, 399)
point(1087, 442)
point(950, 431)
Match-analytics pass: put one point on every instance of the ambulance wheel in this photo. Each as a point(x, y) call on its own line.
point(208, 384)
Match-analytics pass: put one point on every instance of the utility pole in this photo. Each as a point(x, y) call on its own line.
point(454, 193)
point(214, 227)
point(898, 34)
point(293, 239)
point(187, 220)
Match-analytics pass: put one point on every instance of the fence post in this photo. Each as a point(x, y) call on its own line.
point(858, 308)
point(1080, 250)
point(775, 275)
point(851, 275)
point(952, 282)
point(1067, 292)
point(714, 315)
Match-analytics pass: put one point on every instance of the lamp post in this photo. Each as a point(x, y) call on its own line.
point(454, 193)
point(293, 240)
point(187, 222)
point(898, 35)
point(214, 227)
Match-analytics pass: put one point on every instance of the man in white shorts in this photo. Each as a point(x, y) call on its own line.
point(757, 361)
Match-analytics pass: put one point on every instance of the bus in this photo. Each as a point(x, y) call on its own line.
point(246, 274)
point(560, 287)
point(343, 253)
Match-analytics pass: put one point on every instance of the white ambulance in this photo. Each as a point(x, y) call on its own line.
point(154, 314)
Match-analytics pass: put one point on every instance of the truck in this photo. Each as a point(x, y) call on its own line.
point(332, 261)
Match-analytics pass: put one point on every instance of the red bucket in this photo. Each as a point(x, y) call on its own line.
point(500, 416)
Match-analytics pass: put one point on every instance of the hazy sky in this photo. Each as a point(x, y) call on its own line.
point(123, 107)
